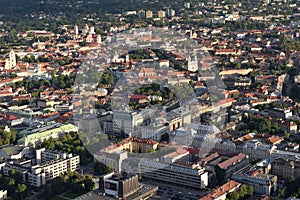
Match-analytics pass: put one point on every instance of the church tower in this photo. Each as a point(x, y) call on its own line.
point(11, 62)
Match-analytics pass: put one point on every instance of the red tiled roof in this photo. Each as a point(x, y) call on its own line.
point(222, 190)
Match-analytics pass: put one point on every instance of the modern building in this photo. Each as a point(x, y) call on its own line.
point(121, 186)
point(179, 174)
point(154, 131)
point(41, 172)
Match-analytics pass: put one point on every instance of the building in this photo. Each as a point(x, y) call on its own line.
point(179, 174)
point(231, 165)
point(286, 168)
point(11, 152)
point(170, 12)
point(161, 14)
point(256, 150)
point(126, 121)
point(114, 155)
point(149, 14)
point(121, 186)
point(154, 131)
point(221, 192)
point(113, 160)
point(136, 145)
point(192, 64)
point(46, 168)
point(242, 82)
point(280, 113)
point(3, 194)
point(262, 183)
point(89, 124)
point(38, 135)
point(225, 52)
point(76, 30)
point(11, 61)
point(187, 5)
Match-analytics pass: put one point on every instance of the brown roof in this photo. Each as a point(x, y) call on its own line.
point(231, 161)
point(220, 191)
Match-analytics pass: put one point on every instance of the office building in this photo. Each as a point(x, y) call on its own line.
point(179, 174)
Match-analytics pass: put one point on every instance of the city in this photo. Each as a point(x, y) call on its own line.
point(154, 99)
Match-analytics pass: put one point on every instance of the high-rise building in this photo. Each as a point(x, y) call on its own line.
point(161, 14)
point(149, 14)
point(170, 12)
point(50, 164)
point(142, 14)
point(121, 185)
point(76, 31)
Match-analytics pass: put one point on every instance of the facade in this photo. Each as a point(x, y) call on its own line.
point(185, 175)
point(113, 160)
point(121, 186)
point(154, 131)
point(262, 183)
point(149, 14)
point(37, 175)
point(286, 168)
point(135, 145)
point(11, 61)
point(161, 14)
point(192, 63)
point(242, 81)
point(125, 121)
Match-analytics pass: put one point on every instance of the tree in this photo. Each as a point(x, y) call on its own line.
point(22, 190)
point(100, 168)
point(88, 183)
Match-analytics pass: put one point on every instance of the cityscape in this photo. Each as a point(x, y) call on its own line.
point(150, 99)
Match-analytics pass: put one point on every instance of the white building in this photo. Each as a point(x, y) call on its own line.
point(37, 175)
point(192, 63)
point(11, 61)
point(76, 30)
